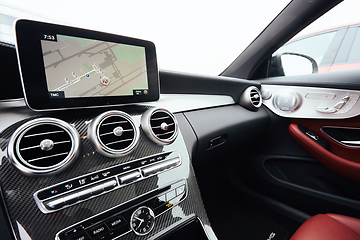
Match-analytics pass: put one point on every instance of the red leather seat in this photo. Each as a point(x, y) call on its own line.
point(329, 227)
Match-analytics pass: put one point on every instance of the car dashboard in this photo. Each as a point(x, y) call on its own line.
point(113, 170)
point(98, 195)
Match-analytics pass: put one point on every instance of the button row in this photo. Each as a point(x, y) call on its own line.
point(98, 176)
point(80, 195)
point(115, 222)
point(160, 167)
point(96, 231)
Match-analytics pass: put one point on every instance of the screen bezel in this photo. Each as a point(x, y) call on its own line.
point(32, 70)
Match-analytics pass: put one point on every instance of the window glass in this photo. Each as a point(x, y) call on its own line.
point(354, 55)
point(331, 43)
point(313, 46)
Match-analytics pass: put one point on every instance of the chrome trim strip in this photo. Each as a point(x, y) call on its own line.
point(147, 128)
point(344, 143)
point(94, 135)
point(351, 142)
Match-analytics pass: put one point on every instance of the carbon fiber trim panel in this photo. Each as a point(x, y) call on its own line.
point(18, 189)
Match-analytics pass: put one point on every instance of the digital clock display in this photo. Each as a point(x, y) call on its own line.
point(48, 37)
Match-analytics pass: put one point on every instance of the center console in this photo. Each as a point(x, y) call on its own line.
point(148, 192)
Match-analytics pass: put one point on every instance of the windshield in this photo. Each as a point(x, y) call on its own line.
point(190, 36)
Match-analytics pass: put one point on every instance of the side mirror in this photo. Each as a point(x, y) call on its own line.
point(290, 64)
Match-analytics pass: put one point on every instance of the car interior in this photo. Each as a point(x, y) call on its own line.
point(122, 150)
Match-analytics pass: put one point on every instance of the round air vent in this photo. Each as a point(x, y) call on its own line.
point(113, 134)
point(251, 98)
point(43, 146)
point(160, 126)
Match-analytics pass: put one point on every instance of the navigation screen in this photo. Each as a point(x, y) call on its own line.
point(78, 67)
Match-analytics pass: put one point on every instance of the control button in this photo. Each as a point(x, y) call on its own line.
point(84, 194)
point(97, 189)
point(55, 204)
point(170, 195)
point(106, 173)
point(126, 167)
point(180, 190)
point(159, 158)
point(144, 162)
point(322, 96)
point(160, 200)
point(346, 98)
point(83, 181)
point(312, 135)
point(170, 163)
point(73, 231)
point(98, 230)
point(83, 236)
point(326, 110)
point(109, 185)
point(116, 222)
point(266, 95)
point(175, 200)
point(339, 104)
point(287, 101)
point(126, 178)
point(49, 193)
point(95, 177)
point(71, 198)
point(151, 160)
point(151, 170)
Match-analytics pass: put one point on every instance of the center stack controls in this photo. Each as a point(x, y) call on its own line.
point(92, 185)
point(135, 217)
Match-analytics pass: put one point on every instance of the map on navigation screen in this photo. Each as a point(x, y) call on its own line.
point(78, 67)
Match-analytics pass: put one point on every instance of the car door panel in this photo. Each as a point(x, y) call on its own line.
point(294, 169)
point(340, 158)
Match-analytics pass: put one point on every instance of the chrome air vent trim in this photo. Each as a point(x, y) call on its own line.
point(43, 146)
point(113, 133)
point(160, 126)
point(251, 98)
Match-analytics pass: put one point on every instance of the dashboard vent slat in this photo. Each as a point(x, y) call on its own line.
point(160, 126)
point(113, 134)
point(251, 98)
point(43, 146)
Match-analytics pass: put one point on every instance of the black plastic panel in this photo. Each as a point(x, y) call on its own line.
point(178, 83)
point(188, 134)
point(190, 229)
point(240, 125)
point(296, 181)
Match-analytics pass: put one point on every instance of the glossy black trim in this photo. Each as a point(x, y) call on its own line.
point(11, 82)
point(184, 83)
point(6, 228)
point(33, 74)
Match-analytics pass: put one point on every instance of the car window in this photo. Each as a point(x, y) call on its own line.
point(314, 46)
point(354, 56)
point(331, 43)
